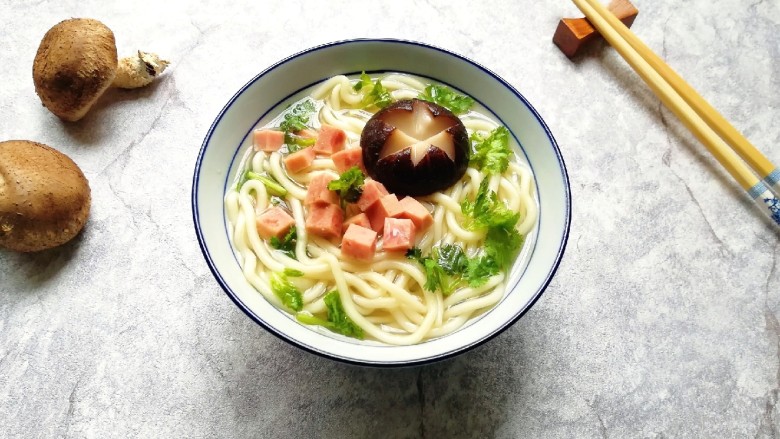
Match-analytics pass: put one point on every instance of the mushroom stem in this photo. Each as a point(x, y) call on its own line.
point(139, 70)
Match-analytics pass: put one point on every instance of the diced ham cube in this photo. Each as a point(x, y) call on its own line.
point(387, 207)
point(268, 140)
point(307, 133)
point(274, 222)
point(398, 235)
point(415, 211)
point(299, 160)
point(318, 192)
point(325, 220)
point(346, 159)
point(372, 192)
point(351, 209)
point(359, 243)
point(330, 140)
point(360, 220)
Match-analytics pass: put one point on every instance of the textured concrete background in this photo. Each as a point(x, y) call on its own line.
point(661, 322)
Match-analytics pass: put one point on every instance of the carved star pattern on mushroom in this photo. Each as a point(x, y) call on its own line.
point(415, 147)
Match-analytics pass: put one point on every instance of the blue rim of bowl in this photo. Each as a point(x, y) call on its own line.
point(461, 349)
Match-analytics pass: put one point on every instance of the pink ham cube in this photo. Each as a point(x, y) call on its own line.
point(268, 140)
point(398, 234)
point(360, 219)
point(372, 192)
point(359, 243)
point(415, 211)
point(325, 220)
point(387, 207)
point(299, 160)
point(274, 222)
point(318, 192)
point(330, 140)
point(347, 159)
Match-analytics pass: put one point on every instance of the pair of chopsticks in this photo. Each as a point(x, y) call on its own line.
point(747, 165)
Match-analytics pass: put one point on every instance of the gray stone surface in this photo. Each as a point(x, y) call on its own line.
point(661, 322)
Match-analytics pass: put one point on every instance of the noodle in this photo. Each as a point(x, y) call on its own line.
point(387, 296)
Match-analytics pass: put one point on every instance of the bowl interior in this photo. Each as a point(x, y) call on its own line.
point(287, 81)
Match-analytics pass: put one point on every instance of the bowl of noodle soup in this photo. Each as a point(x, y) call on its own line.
point(399, 321)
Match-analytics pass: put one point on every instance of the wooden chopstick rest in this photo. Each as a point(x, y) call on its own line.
point(574, 33)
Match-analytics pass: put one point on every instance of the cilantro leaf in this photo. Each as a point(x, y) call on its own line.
point(491, 154)
point(286, 291)
point(349, 185)
point(480, 269)
point(451, 258)
point(297, 117)
point(487, 212)
point(447, 98)
point(287, 243)
point(374, 93)
point(338, 320)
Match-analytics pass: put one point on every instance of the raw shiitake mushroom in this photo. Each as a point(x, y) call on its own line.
point(415, 147)
point(77, 61)
point(44, 197)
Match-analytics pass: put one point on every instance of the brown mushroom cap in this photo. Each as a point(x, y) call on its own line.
point(44, 197)
point(76, 62)
point(415, 147)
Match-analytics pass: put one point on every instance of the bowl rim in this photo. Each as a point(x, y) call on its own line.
point(460, 349)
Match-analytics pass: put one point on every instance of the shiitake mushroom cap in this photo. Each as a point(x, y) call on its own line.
point(435, 171)
point(44, 197)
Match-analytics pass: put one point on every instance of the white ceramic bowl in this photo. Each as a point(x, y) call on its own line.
point(284, 82)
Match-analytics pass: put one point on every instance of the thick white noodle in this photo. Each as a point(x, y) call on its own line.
point(385, 297)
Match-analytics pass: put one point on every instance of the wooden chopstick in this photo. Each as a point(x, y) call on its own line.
point(728, 158)
point(758, 161)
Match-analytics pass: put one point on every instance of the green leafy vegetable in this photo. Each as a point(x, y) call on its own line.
point(487, 212)
point(448, 268)
point(481, 269)
point(286, 291)
point(491, 154)
point(447, 98)
point(291, 272)
point(338, 320)
point(297, 117)
point(273, 187)
point(451, 258)
point(287, 243)
point(436, 278)
point(374, 93)
point(349, 185)
point(296, 143)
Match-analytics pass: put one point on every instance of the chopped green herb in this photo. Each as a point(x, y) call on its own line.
point(481, 269)
point(448, 268)
point(349, 185)
point(451, 258)
point(286, 291)
point(297, 117)
point(486, 212)
point(491, 154)
point(287, 243)
point(291, 272)
point(273, 187)
point(447, 98)
point(296, 143)
point(374, 93)
point(338, 320)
